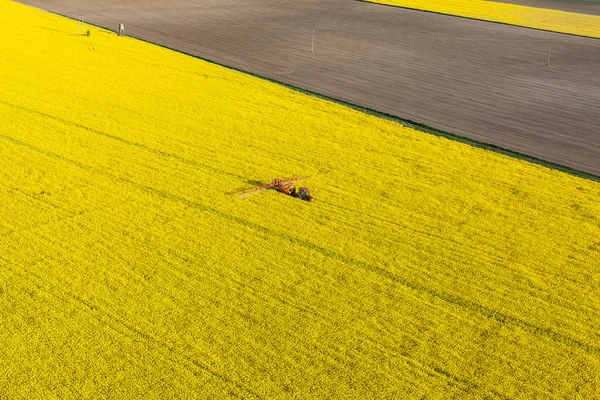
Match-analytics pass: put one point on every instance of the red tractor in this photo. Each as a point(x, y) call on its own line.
point(284, 186)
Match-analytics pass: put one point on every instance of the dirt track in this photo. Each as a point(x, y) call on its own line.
point(486, 81)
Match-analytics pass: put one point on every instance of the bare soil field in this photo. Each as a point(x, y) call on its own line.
point(486, 81)
point(591, 7)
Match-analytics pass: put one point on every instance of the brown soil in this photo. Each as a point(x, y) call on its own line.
point(486, 81)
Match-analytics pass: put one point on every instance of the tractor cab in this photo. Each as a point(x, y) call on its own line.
point(304, 194)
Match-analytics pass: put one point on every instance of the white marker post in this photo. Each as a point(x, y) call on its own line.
point(312, 47)
point(549, 53)
point(121, 30)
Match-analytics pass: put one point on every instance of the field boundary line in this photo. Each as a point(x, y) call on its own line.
point(422, 127)
point(446, 297)
point(482, 20)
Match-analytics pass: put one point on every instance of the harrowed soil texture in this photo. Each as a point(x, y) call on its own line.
point(486, 81)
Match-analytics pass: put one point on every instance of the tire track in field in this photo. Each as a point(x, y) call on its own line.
point(122, 328)
point(447, 297)
point(27, 276)
point(125, 141)
point(167, 351)
point(50, 222)
point(428, 368)
point(466, 385)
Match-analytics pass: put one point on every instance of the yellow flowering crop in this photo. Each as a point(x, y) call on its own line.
point(130, 269)
point(531, 17)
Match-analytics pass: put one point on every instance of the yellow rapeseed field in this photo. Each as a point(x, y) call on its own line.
point(538, 18)
point(129, 268)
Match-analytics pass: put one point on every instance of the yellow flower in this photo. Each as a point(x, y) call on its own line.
point(129, 268)
point(538, 18)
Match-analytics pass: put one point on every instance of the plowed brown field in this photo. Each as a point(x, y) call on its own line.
point(486, 81)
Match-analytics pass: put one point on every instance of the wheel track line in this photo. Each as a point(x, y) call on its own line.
point(405, 227)
point(449, 298)
point(425, 367)
point(27, 276)
point(125, 141)
point(428, 366)
point(166, 349)
point(59, 220)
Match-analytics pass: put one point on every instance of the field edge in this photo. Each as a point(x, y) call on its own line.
point(477, 19)
point(419, 126)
